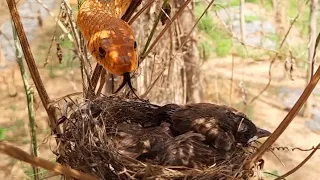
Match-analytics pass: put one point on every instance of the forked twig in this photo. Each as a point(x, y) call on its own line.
point(19, 154)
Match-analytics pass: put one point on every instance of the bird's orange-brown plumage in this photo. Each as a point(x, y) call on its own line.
point(109, 39)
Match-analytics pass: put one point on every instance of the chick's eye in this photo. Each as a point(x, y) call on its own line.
point(248, 135)
point(135, 45)
point(102, 52)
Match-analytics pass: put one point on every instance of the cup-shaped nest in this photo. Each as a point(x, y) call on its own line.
point(117, 138)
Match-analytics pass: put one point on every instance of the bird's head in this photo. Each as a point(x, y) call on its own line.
point(248, 132)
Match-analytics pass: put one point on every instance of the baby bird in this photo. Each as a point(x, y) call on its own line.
point(133, 140)
point(187, 149)
point(222, 126)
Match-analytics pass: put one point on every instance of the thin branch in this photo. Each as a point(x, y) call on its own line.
point(274, 59)
point(60, 24)
point(131, 9)
point(287, 120)
point(103, 79)
point(21, 155)
point(153, 30)
point(180, 11)
point(31, 64)
point(299, 165)
point(231, 82)
point(94, 79)
point(193, 27)
point(314, 54)
point(148, 5)
point(29, 94)
point(152, 84)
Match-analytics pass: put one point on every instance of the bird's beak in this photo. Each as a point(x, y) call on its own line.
point(260, 134)
point(252, 139)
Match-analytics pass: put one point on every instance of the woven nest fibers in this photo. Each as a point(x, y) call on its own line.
point(117, 138)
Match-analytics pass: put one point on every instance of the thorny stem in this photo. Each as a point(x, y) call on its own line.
point(32, 65)
point(29, 95)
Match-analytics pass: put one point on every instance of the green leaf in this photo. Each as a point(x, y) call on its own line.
point(2, 133)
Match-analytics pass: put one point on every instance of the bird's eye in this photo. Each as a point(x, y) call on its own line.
point(248, 136)
point(102, 52)
point(135, 45)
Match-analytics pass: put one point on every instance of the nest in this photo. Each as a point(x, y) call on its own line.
point(110, 138)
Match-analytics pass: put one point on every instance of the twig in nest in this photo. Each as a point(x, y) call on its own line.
point(65, 96)
point(300, 165)
point(17, 153)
